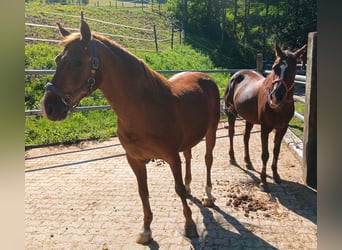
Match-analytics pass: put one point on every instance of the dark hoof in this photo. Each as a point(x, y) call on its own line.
point(264, 187)
point(188, 192)
point(233, 162)
point(191, 232)
point(249, 166)
point(277, 179)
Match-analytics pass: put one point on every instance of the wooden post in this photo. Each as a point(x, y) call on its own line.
point(310, 117)
point(259, 63)
point(155, 37)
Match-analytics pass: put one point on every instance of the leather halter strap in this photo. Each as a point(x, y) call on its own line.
point(67, 98)
point(288, 89)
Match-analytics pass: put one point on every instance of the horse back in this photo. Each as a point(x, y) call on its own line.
point(241, 94)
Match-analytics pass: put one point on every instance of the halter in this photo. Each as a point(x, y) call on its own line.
point(288, 89)
point(67, 98)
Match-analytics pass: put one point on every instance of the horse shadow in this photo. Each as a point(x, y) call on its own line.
point(217, 234)
point(296, 197)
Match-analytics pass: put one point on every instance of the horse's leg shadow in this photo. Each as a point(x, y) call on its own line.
point(153, 245)
point(214, 224)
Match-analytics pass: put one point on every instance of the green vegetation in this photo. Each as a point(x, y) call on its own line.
point(239, 29)
point(296, 125)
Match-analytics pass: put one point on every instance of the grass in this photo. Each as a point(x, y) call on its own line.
point(296, 125)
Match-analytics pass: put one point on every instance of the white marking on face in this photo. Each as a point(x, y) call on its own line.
point(283, 68)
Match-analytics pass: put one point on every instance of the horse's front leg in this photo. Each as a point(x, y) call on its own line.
point(264, 156)
point(139, 169)
point(277, 143)
point(176, 168)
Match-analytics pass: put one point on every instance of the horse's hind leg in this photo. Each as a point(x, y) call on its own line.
point(277, 142)
point(175, 164)
point(187, 179)
point(231, 132)
point(139, 170)
point(248, 128)
point(210, 140)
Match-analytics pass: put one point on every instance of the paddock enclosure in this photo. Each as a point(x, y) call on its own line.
point(85, 197)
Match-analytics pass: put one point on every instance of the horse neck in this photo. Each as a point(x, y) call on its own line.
point(126, 80)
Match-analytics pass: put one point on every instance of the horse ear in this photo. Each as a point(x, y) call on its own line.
point(300, 51)
point(63, 31)
point(85, 31)
point(278, 50)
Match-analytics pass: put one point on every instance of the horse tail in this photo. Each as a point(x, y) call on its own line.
point(229, 94)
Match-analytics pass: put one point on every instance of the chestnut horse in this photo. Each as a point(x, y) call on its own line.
point(157, 117)
point(266, 101)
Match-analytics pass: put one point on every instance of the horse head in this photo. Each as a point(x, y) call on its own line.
point(75, 73)
point(283, 74)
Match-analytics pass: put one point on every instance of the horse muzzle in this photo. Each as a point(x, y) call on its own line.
point(53, 108)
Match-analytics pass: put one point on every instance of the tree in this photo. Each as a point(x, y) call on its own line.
point(238, 29)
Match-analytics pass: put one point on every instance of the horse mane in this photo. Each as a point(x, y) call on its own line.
point(152, 76)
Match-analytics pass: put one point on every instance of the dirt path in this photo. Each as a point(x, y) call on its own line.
point(85, 197)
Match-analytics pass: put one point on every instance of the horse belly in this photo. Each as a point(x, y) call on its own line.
point(194, 124)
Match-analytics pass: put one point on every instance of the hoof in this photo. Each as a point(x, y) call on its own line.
point(188, 191)
point(277, 179)
point(249, 166)
point(144, 238)
point(233, 162)
point(191, 232)
point(208, 202)
point(264, 187)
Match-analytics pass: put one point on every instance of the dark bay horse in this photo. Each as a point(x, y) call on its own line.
point(266, 101)
point(157, 117)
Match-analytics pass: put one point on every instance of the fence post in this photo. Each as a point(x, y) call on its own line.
point(310, 117)
point(155, 37)
point(259, 63)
